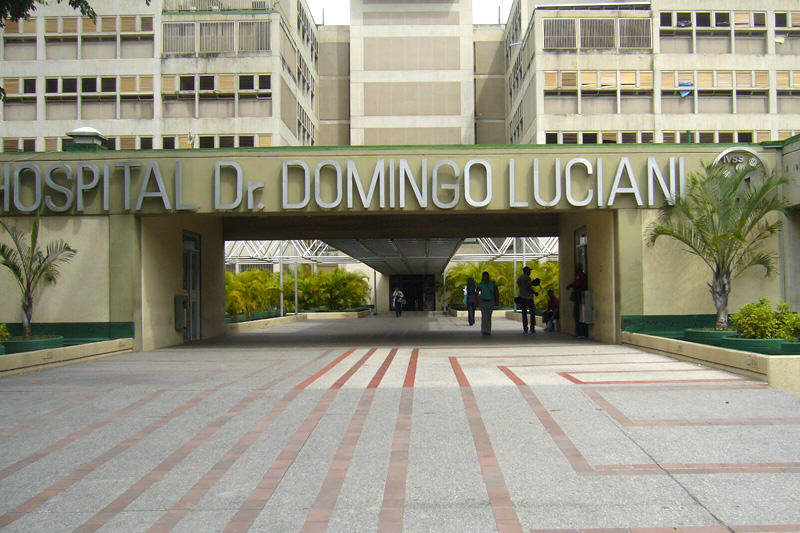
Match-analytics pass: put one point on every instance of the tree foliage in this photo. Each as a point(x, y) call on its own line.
point(503, 274)
point(256, 291)
point(32, 267)
point(724, 220)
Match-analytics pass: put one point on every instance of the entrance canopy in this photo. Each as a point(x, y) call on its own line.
point(400, 256)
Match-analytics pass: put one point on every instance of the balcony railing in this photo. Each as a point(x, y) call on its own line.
point(217, 5)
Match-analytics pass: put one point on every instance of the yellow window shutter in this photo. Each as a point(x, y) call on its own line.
point(146, 84)
point(168, 84)
point(762, 78)
point(127, 84)
point(589, 79)
point(646, 79)
point(627, 78)
point(724, 79)
point(11, 85)
point(550, 80)
point(705, 79)
point(69, 24)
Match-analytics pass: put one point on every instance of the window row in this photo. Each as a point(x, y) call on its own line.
point(221, 83)
point(216, 37)
point(724, 79)
point(306, 31)
point(602, 79)
point(84, 25)
point(597, 33)
point(306, 131)
point(168, 142)
point(722, 19)
point(87, 48)
point(218, 5)
point(646, 137)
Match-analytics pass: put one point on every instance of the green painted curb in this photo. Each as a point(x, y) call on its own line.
point(762, 346)
point(33, 344)
point(787, 348)
point(706, 336)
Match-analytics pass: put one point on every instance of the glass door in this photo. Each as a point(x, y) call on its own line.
point(191, 286)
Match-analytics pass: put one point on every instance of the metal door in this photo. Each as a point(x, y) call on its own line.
point(191, 286)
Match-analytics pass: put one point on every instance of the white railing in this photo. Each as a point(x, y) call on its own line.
point(217, 5)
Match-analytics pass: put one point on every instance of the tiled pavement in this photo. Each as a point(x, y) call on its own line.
point(415, 424)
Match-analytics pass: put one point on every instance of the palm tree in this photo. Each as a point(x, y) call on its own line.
point(31, 266)
point(723, 220)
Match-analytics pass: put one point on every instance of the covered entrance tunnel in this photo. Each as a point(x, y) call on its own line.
point(137, 219)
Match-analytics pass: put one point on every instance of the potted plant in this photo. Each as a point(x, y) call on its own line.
point(32, 268)
point(724, 220)
point(4, 335)
point(757, 329)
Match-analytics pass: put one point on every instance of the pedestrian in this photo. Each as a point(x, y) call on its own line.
point(488, 297)
point(470, 300)
point(398, 299)
point(525, 299)
point(578, 286)
point(552, 314)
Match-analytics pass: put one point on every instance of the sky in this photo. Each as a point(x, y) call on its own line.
point(338, 11)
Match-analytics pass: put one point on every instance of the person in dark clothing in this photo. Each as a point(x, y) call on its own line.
point(471, 300)
point(525, 300)
point(397, 300)
point(552, 314)
point(579, 284)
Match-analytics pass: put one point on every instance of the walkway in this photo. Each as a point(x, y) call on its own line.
point(417, 424)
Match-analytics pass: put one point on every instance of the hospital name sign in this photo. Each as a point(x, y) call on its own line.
point(364, 183)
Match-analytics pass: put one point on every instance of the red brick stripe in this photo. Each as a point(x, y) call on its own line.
point(320, 513)
point(569, 376)
point(103, 516)
point(72, 437)
point(504, 513)
point(259, 496)
point(60, 486)
point(572, 454)
point(193, 496)
point(324, 370)
point(394, 492)
point(679, 529)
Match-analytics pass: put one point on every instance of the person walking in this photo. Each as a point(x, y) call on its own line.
point(525, 300)
point(397, 300)
point(470, 300)
point(579, 284)
point(488, 297)
point(552, 314)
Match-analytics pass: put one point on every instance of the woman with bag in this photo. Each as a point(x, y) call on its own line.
point(488, 296)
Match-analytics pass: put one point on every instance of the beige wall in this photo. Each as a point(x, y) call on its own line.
point(413, 98)
point(601, 270)
point(81, 293)
point(490, 98)
point(161, 276)
point(412, 53)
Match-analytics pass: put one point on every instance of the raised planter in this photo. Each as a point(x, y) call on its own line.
point(30, 345)
point(712, 337)
point(787, 348)
point(765, 346)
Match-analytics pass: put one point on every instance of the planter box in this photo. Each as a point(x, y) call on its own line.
point(765, 346)
point(712, 337)
point(19, 346)
point(787, 348)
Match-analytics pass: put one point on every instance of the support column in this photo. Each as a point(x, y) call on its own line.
point(124, 272)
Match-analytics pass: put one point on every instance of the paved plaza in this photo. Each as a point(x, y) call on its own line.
point(413, 424)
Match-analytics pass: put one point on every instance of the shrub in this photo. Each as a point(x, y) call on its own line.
point(4, 334)
point(761, 321)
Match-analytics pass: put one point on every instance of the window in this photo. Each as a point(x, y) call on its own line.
point(722, 19)
point(706, 136)
point(10, 145)
point(108, 85)
point(668, 136)
point(725, 137)
point(216, 37)
point(29, 86)
point(559, 33)
point(666, 19)
point(179, 38)
point(69, 85)
point(551, 137)
point(781, 20)
point(597, 33)
point(589, 137)
point(628, 137)
point(168, 143)
point(634, 33)
point(702, 20)
point(88, 85)
point(206, 142)
point(246, 141)
point(146, 143)
point(684, 20)
point(206, 83)
point(147, 23)
point(51, 85)
point(264, 82)
point(570, 137)
point(759, 19)
point(745, 136)
point(246, 83)
point(647, 137)
point(254, 36)
point(687, 137)
point(187, 83)
point(226, 141)
point(28, 145)
point(110, 143)
point(609, 137)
